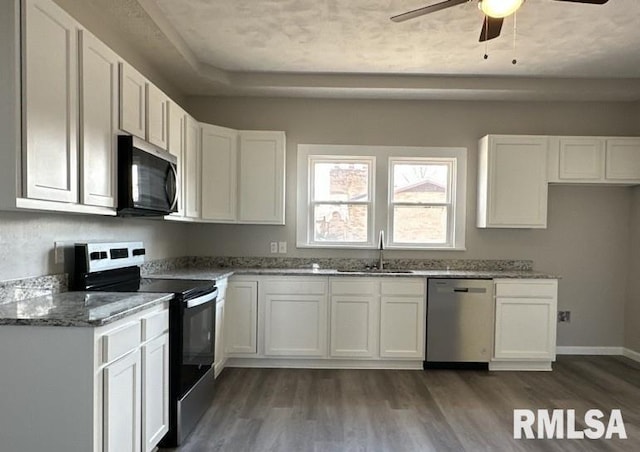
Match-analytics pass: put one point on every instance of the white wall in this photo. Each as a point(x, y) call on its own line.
point(587, 239)
point(27, 239)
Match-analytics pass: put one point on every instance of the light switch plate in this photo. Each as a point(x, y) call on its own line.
point(282, 247)
point(274, 247)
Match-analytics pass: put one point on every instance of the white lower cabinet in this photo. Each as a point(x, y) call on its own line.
point(220, 356)
point(241, 318)
point(402, 319)
point(295, 317)
point(122, 403)
point(355, 309)
point(86, 389)
point(155, 397)
point(525, 330)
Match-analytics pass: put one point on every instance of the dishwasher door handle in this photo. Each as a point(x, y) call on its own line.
point(461, 289)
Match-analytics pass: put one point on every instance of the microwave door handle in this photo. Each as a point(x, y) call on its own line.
point(203, 299)
point(174, 202)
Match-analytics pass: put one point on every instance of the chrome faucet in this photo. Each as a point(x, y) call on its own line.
point(381, 249)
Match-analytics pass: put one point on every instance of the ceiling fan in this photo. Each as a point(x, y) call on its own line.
point(494, 10)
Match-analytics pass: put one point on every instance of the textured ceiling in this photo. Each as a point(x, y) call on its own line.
point(340, 48)
point(356, 36)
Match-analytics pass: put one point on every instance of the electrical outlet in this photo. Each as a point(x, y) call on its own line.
point(564, 316)
point(274, 247)
point(58, 252)
point(282, 247)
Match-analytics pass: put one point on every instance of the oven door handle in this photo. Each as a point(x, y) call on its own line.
point(203, 299)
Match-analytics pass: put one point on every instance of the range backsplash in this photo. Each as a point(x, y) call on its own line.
point(333, 263)
point(19, 289)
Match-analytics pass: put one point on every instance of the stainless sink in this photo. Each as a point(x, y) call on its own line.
point(375, 270)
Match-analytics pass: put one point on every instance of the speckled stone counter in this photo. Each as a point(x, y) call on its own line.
point(221, 273)
point(78, 308)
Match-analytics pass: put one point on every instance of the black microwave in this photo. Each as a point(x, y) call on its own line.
point(147, 179)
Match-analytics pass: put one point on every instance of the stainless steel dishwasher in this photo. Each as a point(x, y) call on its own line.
point(460, 321)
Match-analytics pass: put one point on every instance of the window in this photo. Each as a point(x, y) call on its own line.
point(420, 204)
point(341, 199)
point(348, 193)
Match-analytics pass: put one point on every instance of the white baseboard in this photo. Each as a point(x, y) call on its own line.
point(631, 354)
point(570, 350)
point(610, 351)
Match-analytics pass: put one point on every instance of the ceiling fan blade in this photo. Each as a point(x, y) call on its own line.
point(592, 2)
point(427, 10)
point(491, 28)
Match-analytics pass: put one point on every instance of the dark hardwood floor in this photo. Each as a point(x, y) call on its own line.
point(435, 410)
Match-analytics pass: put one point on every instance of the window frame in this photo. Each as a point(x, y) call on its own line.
point(381, 216)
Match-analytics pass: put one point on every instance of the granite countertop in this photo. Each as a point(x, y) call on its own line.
point(222, 273)
point(80, 309)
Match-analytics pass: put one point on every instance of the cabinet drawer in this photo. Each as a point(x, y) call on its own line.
point(529, 288)
point(403, 287)
point(359, 286)
point(298, 287)
point(120, 341)
point(155, 324)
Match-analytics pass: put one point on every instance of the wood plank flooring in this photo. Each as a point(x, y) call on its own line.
point(435, 410)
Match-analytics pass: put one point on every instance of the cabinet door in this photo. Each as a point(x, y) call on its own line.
point(98, 124)
point(623, 159)
point(122, 401)
point(295, 325)
point(219, 170)
point(241, 318)
point(157, 117)
point(51, 103)
point(219, 355)
point(155, 391)
point(513, 182)
point(402, 327)
point(133, 101)
point(354, 326)
point(193, 165)
point(525, 328)
point(177, 130)
point(262, 177)
point(581, 159)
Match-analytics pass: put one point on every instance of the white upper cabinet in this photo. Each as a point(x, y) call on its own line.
point(261, 188)
point(580, 159)
point(177, 134)
point(51, 103)
point(157, 117)
point(594, 160)
point(133, 101)
point(99, 119)
point(623, 160)
point(219, 169)
point(192, 168)
point(512, 182)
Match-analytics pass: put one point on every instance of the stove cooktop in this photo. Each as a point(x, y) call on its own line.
point(186, 288)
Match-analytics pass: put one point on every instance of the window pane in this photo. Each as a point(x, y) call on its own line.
point(420, 182)
point(340, 181)
point(343, 223)
point(420, 224)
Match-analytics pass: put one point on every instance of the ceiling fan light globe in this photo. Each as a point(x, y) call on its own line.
point(499, 8)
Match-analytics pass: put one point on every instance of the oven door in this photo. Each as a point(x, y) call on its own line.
point(198, 339)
